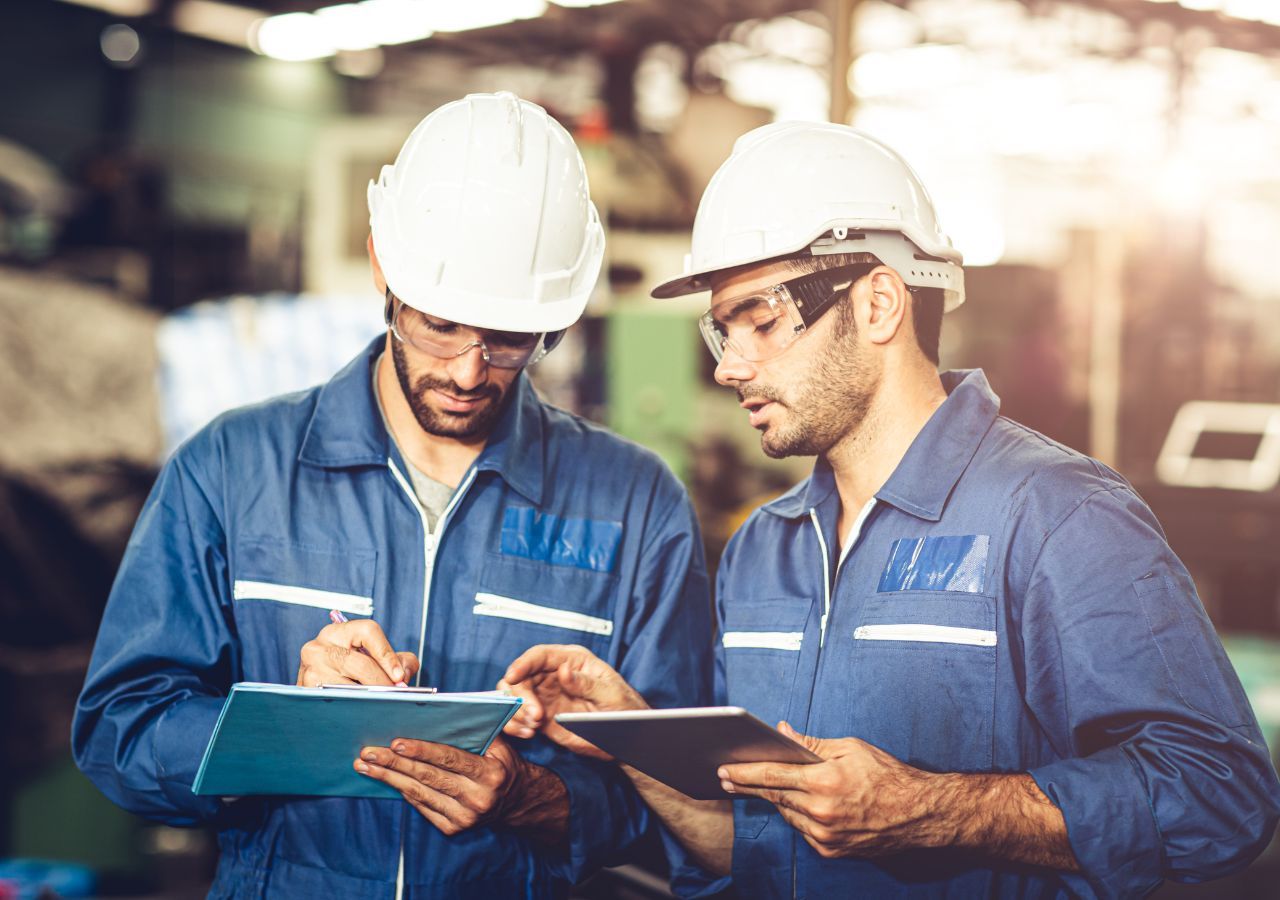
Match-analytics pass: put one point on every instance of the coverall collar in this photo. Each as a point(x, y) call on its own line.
point(923, 480)
point(346, 431)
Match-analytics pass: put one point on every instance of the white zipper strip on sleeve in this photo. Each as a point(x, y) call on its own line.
point(288, 593)
point(522, 611)
point(933, 634)
point(762, 640)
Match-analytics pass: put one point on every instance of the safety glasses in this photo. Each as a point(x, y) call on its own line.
point(446, 340)
point(762, 324)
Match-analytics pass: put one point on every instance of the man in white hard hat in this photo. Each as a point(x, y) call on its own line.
point(429, 496)
point(1007, 673)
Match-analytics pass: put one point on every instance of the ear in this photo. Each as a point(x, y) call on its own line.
point(886, 305)
point(379, 280)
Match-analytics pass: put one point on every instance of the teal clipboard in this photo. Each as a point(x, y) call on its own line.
point(282, 739)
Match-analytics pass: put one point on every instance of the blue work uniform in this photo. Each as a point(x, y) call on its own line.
point(1009, 605)
point(560, 532)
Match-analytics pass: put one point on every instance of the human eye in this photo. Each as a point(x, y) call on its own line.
point(436, 326)
point(511, 340)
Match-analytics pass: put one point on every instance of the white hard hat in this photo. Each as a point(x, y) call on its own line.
point(796, 185)
point(486, 218)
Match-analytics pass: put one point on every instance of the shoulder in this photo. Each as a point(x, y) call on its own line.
point(248, 433)
point(580, 448)
point(1039, 475)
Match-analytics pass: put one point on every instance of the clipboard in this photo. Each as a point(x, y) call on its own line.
point(288, 740)
point(684, 747)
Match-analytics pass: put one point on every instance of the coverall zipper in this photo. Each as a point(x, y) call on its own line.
point(430, 541)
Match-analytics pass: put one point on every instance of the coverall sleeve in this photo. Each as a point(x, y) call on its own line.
point(689, 880)
point(1163, 771)
point(163, 657)
point(665, 654)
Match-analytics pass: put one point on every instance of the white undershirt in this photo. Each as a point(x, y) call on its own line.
point(856, 531)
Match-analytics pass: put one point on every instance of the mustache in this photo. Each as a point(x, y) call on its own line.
point(759, 392)
point(449, 386)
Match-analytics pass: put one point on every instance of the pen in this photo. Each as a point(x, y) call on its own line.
point(337, 618)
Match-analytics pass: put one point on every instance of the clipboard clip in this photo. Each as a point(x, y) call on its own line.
point(389, 688)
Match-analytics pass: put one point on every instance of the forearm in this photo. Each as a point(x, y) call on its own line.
point(703, 827)
point(1003, 816)
point(540, 808)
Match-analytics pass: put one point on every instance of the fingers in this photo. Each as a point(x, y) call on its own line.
point(827, 749)
point(558, 734)
point(410, 663)
point(441, 756)
point(366, 635)
point(437, 807)
point(528, 717)
point(356, 652)
point(452, 789)
point(325, 663)
point(544, 658)
point(763, 775)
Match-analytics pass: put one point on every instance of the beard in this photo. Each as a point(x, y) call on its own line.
point(479, 422)
point(831, 403)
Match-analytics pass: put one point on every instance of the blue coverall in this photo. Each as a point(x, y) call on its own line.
point(1008, 606)
point(274, 513)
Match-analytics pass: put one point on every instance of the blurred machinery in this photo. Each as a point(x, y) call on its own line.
point(1105, 165)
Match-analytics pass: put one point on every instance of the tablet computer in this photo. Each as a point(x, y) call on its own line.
point(684, 747)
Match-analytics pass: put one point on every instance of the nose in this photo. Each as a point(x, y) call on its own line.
point(733, 369)
point(470, 368)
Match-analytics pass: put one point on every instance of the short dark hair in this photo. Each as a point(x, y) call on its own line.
point(927, 304)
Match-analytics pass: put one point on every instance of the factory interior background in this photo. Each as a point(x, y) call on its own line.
point(182, 227)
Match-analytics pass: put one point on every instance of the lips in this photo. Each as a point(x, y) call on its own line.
point(454, 404)
point(757, 408)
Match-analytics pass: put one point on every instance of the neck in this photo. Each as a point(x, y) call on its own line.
point(863, 459)
point(445, 459)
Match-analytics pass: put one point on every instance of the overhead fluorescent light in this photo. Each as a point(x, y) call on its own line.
point(466, 16)
point(225, 23)
point(294, 37)
point(373, 23)
point(393, 21)
point(349, 26)
point(118, 7)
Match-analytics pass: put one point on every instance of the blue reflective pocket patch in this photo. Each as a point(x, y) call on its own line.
point(582, 543)
point(944, 563)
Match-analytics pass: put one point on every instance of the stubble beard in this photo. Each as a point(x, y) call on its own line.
point(442, 423)
point(831, 404)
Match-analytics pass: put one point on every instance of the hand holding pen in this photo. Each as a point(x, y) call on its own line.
point(358, 652)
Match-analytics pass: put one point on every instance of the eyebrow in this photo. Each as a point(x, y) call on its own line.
point(740, 305)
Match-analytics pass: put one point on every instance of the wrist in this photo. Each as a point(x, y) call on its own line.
point(537, 799)
point(950, 803)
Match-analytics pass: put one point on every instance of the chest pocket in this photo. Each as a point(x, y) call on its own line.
point(923, 677)
point(761, 642)
point(522, 602)
point(282, 594)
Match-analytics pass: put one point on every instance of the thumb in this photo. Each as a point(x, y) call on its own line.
point(812, 744)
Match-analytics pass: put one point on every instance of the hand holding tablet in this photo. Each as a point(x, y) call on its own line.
point(683, 748)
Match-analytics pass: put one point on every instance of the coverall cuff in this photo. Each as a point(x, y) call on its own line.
point(1110, 823)
point(605, 815)
point(688, 880)
point(178, 742)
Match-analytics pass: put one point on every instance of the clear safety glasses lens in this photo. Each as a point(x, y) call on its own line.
point(445, 340)
point(757, 327)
